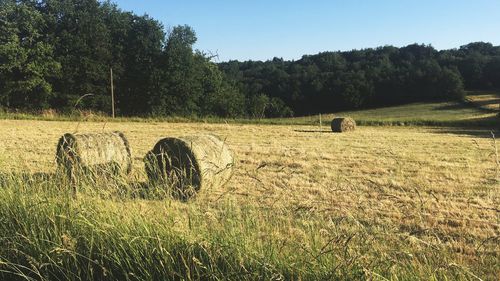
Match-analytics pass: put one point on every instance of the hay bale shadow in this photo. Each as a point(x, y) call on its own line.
point(147, 190)
point(313, 131)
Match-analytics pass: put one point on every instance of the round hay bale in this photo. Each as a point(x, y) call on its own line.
point(94, 152)
point(190, 163)
point(343, 124)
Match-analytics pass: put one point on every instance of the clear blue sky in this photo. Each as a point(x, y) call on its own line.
point(261, 30)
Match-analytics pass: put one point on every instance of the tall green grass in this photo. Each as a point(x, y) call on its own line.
point(49, 234)
point(116, 230)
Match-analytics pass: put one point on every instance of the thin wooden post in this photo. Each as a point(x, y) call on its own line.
point(320, 121)
point(112, 94)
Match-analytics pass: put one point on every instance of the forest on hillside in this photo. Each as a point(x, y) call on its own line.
point(332, 81)
point(57, 54)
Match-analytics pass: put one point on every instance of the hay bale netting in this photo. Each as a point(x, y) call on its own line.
point(190, 163)
point(98, 153)
point(343, 124)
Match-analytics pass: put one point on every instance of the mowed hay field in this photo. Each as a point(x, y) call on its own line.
point(403, 203)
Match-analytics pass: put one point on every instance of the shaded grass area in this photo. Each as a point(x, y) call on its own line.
point(107, 234)
point(485, 100)
point(449, 114)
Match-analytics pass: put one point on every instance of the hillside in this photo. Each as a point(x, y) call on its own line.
point(454, 114)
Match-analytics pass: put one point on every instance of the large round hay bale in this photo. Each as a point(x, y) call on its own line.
point(94, 152)
point(343, 124)
point(190, 163)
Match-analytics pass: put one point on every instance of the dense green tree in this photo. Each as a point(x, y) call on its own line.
point(82, 43)
point(139, 66)
point(220, 98)
point(492, 73)
point(27, 62)
point(180, 84)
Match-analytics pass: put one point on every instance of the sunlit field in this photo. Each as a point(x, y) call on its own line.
point(249, 140)
point(304, 203)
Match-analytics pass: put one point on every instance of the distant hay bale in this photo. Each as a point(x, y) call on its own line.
point(94, 152)
point(190, 163)
point(343, 124)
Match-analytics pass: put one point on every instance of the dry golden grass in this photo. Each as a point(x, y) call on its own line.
point(426, 188)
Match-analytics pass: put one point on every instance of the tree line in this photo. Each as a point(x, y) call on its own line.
point(388, 75)
point(57, 54)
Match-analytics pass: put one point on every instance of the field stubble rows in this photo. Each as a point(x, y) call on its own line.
point(427, 196)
